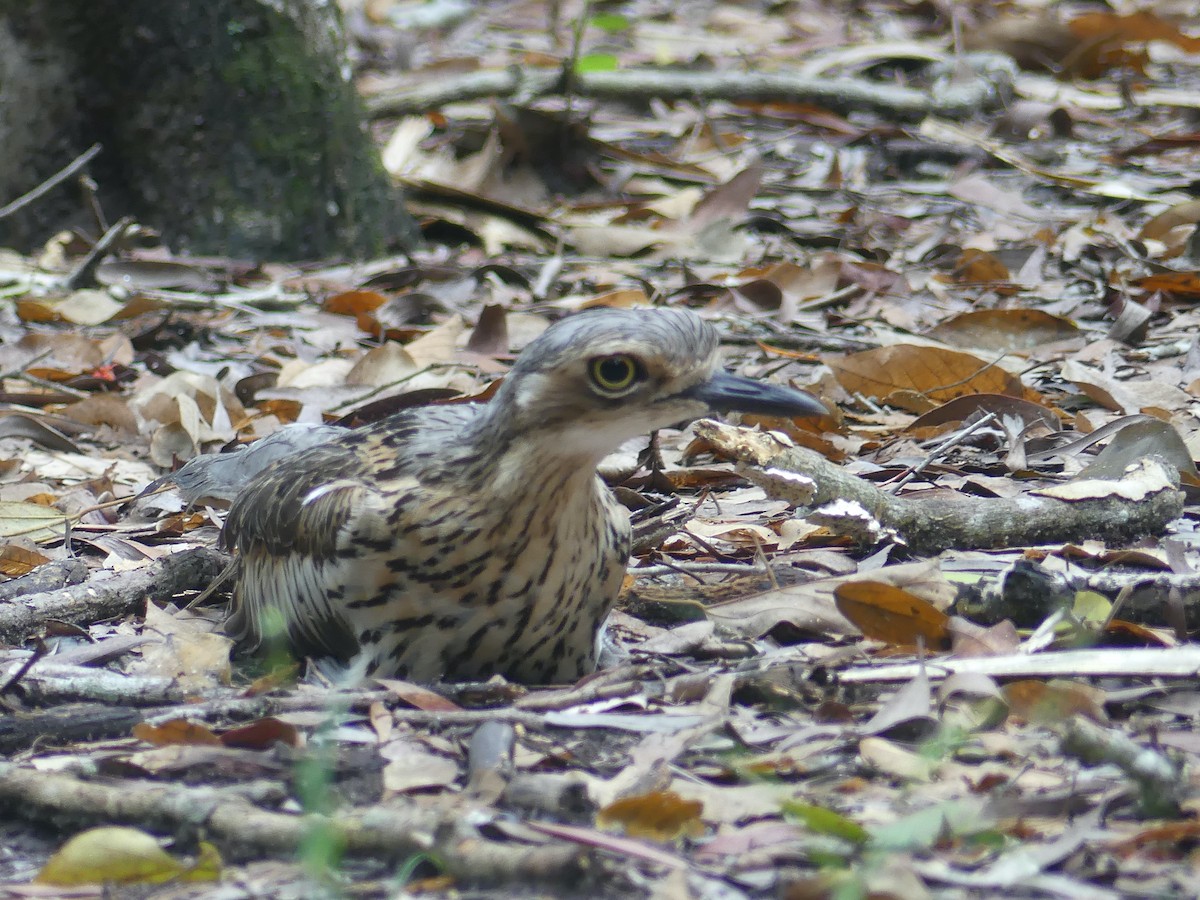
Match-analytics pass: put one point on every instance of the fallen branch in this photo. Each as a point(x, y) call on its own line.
point(1161, 784)
point(109, 594)
point(53, 575)
point(1121, 511)
point(985, 90)
point(66, 724)
point(1128, 662)
point(72, 168)
point(243, 830)
point(47, 682)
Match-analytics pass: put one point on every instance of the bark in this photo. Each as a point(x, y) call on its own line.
point(109, 594)
point(229, 126)
point(1117, 512)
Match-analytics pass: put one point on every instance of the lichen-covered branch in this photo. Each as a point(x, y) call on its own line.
point(1142, 503)
point(953, 101)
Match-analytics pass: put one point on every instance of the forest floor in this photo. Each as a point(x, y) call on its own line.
point(938, 643)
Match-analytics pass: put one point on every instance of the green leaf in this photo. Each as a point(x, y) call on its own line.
point(1092, 607)
point(918, 831)
point(923, 829)
point(610, 22)
point(596, 62)
point(826, 821)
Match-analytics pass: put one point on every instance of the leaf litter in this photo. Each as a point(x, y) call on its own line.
point(814, 702)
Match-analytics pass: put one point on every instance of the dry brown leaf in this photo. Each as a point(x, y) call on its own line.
point(962, 408)
point(975, 266)
point(930, 372)
point(969, 639)
point(1052, 701)
point(1183, 284)
point(1007, 330)
point(1136, 27)
point(1034, 41)
point(16, 560)
point(1158, 227)
point(419, 697)
point(893, 615)
point(411, 766)
point(657, 816)
point(261, 734)
point(176, 731)
point(490, 334)
point(354, 303)
point(626, 298)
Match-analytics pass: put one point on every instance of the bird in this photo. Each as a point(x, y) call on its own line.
point(461, 541)
point(222, 476)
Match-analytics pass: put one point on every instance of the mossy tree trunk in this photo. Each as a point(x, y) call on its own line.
point(229, 125)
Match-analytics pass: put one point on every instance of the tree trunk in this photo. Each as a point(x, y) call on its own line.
point(230, 126)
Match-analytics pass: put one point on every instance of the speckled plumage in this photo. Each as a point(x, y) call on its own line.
point(461, 541)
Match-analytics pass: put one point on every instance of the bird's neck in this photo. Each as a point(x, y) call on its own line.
point(521, 460)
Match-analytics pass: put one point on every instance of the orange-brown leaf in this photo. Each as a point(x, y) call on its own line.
point(1185, 283)
point(891, 614)
point(934, 372)
point(1053, 701)
point(354, 303)
point(176, 731)
point(659, 816)
point(261, 735)
point(16, 561)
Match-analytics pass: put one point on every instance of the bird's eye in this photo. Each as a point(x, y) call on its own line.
point(614, 374)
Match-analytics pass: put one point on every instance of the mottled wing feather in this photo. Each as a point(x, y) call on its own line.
point(284, 527)
point(292, 528)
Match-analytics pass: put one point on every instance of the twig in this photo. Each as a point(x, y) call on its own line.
point(751, 567)
point(956, 101)
point(52, 182)
point(1127, 662)
point(86, 269)
point(242, 828)
point(570, 64)
point(105, 595)
point(937, 452)
point(1160, 782)
point(9, 683)
point(48, 576)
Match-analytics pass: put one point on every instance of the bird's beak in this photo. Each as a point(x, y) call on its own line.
point(725, 392)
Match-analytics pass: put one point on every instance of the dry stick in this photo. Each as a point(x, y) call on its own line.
point(935, 524)
point(52, 182)
point(1159, 779)
point(940, 450)
point(243, 830)
point(86, 269)
point(118, 594)
point(49, 576)
point(960, 100)
point(571, 63)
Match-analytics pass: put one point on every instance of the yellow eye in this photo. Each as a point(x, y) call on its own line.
point(614, 374)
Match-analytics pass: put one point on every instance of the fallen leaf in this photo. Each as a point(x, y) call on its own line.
point(122, 856)
point(658, 816)
point(887, 613)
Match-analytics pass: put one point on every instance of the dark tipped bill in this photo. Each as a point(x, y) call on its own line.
point(725, 392)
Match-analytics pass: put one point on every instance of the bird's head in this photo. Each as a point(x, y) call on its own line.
point(595, 379)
